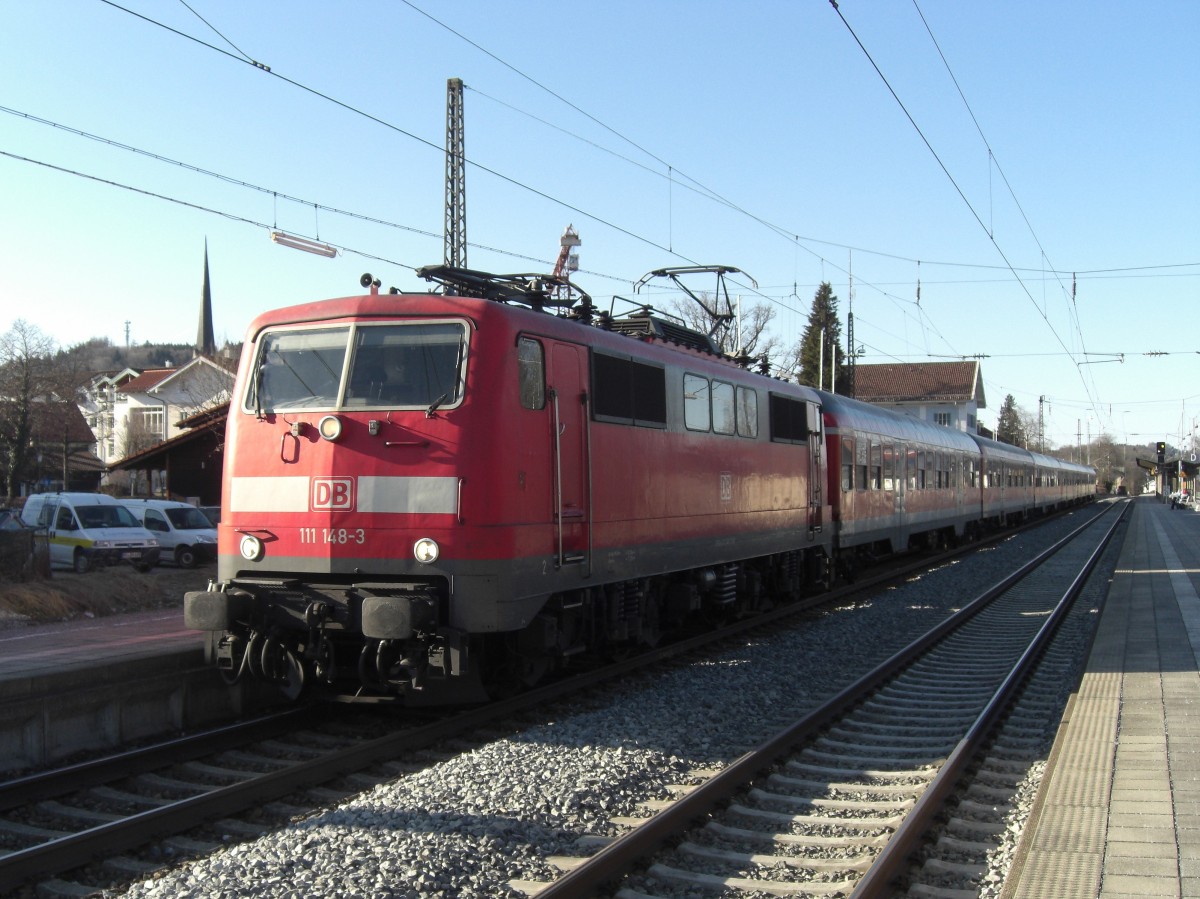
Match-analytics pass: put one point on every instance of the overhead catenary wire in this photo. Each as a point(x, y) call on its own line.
point(958, 189)
point(883, 288)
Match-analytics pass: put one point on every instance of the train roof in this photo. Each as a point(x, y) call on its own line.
point(851, 413)
point(1007, 451)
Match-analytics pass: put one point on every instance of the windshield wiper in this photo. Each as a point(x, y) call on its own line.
point(434, 405)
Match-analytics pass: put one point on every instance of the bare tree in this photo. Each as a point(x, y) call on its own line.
point(755, 321)
point(25, 378)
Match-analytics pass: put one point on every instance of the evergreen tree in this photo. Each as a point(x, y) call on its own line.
point(823, 324)
point(1009, 428)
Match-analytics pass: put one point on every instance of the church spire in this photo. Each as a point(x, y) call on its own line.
point(206, 344)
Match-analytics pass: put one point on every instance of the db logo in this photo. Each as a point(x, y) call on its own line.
point(332, 493)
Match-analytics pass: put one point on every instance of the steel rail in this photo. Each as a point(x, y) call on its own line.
point(49, 784)
point(892, 861)
point(79, 849)
point(616, 859)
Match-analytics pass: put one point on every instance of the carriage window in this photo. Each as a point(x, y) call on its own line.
point(911, 468)
point(889, 467)
point(861, 450)
point(876, 467)
point(847, 464)
point(695, 403)
point(628, 392)
point(531, 373)
point(722, 408)
point(747, 412)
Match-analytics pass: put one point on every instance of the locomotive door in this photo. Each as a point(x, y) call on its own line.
point(568, 403)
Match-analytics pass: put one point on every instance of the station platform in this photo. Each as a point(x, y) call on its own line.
point(98, 684)
point(92, 644)
point(1118, 815)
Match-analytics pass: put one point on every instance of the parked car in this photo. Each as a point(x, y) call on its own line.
point(89, 529)
point(213, 513)
point(185, 534)
point(10, 520)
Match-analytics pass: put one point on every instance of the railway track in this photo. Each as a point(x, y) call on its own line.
point(113, 817)
point(839, 803)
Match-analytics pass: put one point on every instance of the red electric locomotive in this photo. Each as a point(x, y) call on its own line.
point(427, 493)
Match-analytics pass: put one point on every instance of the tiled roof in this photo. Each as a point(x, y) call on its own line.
point(940, 382)
point(51, 421)
point(146, 380)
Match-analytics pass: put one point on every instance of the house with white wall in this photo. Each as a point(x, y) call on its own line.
point(147, 409)
point(944, 393)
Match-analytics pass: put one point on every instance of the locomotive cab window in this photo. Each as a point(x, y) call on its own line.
point(384, 366)
point(747, 412)
point(531, 373)
point(298, 370)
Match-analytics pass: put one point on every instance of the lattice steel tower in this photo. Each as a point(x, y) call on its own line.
point(456, 177)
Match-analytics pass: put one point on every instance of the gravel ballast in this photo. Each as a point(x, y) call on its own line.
point(467, 826)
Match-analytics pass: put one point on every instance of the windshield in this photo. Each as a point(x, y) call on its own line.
point(190, 519)
point(392, 366)
point(106, 517)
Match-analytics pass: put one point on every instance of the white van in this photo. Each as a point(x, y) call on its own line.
point(89, 529)
point(184, 533)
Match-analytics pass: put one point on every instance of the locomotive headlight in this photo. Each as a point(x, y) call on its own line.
point(251, 547)
point(330, 427)
point(426, 550)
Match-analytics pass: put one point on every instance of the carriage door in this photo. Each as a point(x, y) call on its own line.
point(566, 398)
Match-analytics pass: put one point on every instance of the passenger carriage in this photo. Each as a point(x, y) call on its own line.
point(896, 481)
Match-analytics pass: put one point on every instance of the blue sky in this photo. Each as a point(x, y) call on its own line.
point(1049, 222)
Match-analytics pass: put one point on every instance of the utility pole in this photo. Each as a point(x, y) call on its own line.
point(456, 178)
point(1041, 424)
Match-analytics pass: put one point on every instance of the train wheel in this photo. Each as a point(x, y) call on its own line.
point(280, 665)
point(292, 684)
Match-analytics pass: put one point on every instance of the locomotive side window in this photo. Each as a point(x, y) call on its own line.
point(695, 403)
point(531, 373)
point(747, 412)
point(723, 417)
point(789, 419)
point(628, 392)
point(719, 406)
